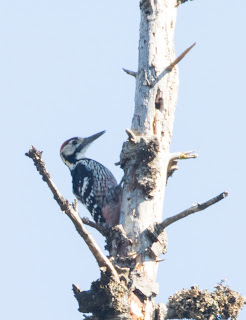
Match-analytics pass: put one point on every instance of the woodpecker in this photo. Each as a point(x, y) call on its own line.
point(93, 184)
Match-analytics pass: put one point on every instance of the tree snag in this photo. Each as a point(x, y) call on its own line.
point(127, 286)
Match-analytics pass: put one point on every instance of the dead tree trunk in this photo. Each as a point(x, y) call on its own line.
point(127, 285)
point(145, 156)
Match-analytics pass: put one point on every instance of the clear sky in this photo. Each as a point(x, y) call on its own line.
point(61, 76)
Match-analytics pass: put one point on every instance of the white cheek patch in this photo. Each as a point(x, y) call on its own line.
point(68, 149)
point(80, 155)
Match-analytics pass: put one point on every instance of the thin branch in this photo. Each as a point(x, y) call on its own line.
point(131, 73)
point(171, 66)
point(157, 233)
point(195, 208)
point(70, 211)
point(102, 228)
point(180, 57)
point(183, 155)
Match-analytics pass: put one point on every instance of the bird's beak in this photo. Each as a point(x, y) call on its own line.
point(90, 139)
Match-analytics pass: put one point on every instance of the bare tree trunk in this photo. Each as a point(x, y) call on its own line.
point(145, 156)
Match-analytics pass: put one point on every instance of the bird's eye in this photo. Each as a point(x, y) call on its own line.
point(74, 142)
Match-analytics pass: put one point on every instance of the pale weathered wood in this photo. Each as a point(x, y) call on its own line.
point(145, 160)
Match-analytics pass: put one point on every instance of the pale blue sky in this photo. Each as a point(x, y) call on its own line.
point(61, 76)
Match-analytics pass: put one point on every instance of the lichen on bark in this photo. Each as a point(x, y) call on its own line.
point(140, 158)
point(222, 303)
point(106, 298)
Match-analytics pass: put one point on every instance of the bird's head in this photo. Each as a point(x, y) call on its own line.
point(74, 149)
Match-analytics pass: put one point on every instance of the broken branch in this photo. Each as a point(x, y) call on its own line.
point(131, 135)
point(171, 66)
point(173, 160)
point(183, 155)
point(180, 57)
point(157, 233)
point(131, 73)
point(72, 213)
point(195, 208)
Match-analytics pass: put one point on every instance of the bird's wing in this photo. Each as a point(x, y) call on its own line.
point(92, 178)
point(103, 180)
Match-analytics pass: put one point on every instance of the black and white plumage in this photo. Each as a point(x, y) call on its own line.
point(93, 184)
